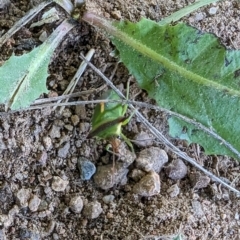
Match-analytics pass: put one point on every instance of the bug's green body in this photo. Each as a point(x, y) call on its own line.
point(108, 119)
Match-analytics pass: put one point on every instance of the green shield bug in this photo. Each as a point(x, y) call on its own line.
point(108, 119)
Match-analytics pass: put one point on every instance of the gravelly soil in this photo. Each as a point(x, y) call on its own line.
point(39, 149)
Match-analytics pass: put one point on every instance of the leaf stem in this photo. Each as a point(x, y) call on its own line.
point(108, 26)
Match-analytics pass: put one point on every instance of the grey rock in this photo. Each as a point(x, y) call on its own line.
point(137, 174)
point(34, 203)
point(197, 208)
point(7, 220)
point(80, 110)
point(25, 233)
point(2, 234)
point(125, 156)
point(42, 158)
point(58, 184)
point(92, 210)
point(108, 198)
point(176, 170)
point(107, 176)
point(4, 4)
point(43, 36)
point(74, 120)
point(213, 10)
point(86, 168)
point(69, 127)
point(2, 145)
point(76, 204)
point(199, 181)
point(67, 113)
point(23, 196)
point(143, 139)
point(47, 142)
point(19, 176)
point(55, 236)
point(199, 17)
point(84, 127)
point(148, 186)
point(173, 191)
point(151, 159)
point(3, 220)
point(55, 131)
point(63, 151)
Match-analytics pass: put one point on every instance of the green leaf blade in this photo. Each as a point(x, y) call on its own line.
point(23, 78)
point(189, 73)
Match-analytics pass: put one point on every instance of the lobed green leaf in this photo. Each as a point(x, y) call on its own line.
point(188, 72)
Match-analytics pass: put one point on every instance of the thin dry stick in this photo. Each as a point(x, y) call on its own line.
point(149, 106)
point(40, 106)
point(165, 237)
point(191, 121)
point(76, 78)
point(159, 135)
point(23, 21)
point(38, 102)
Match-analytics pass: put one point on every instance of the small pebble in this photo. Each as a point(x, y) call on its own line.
point(67, 113)
point(3, 219)
point(42, 158)
point(116, 14)
point(55, 131)
point(151, 159)
point(43, 206)
point(58, 184)
point(23, 196)
point(49, 229)
point(55, 236)
point(4, 4)
point(148, 186)
point(75, 119)
point(173, 191)
point(110, 215)
point(199, 181)
point(63, 151)
point(86, 168)
point(143, 139)
point(84, 127)
point(199, 17)
point(106, 176)
point(2, 234)
point(137, 174)
point(213, 10)
point(69, 127)
point(197, 208)
point(43, 36)
point(176, 170)
point(108, 198)
point(19, 176)
point(76, 204)
point(24, 233)
point(92, 210)
point(126, 157)
point(7, 220)
point(34, 203)
point(225, 195)
point(47, 143)
point(80, 110)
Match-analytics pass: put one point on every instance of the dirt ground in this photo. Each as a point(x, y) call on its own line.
point(40, 149)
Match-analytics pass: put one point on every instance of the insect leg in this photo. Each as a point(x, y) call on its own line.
point(127, 141)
